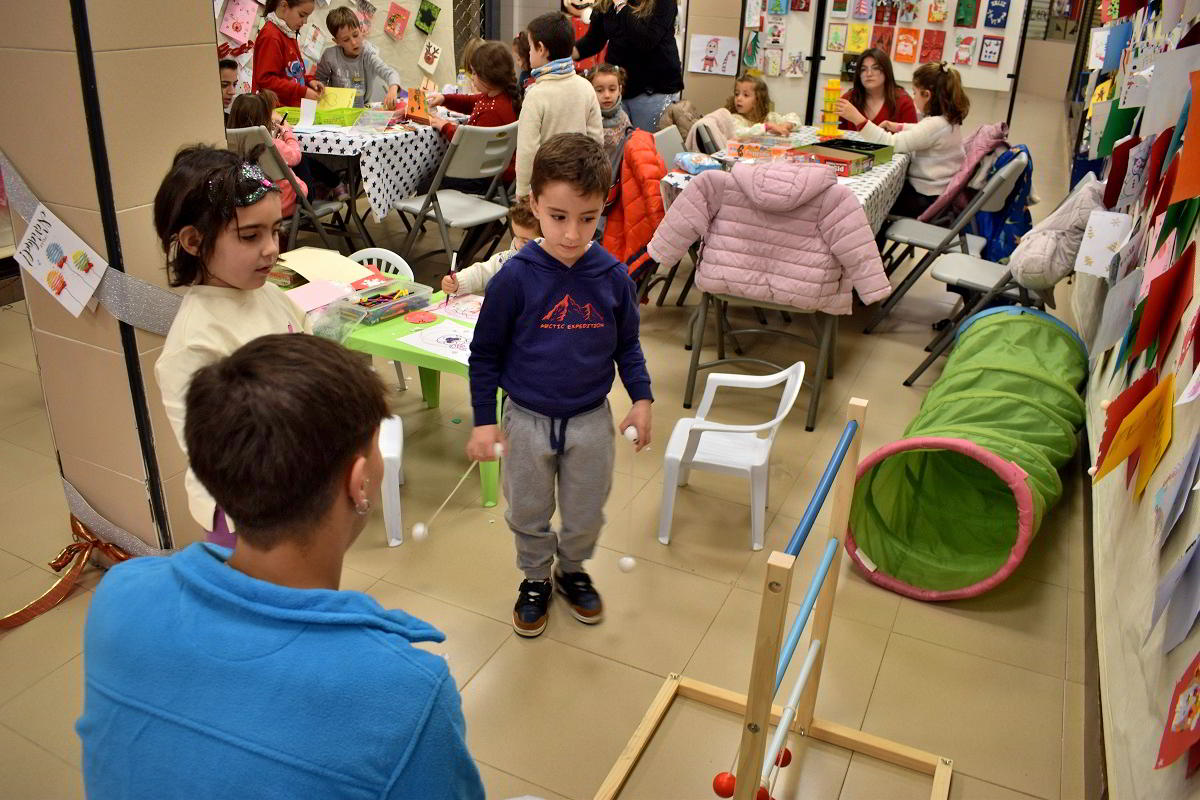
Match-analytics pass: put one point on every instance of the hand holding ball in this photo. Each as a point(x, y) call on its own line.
point(630, 433)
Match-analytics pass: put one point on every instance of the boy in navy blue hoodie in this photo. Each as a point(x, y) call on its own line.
point(245, 673)
point(556, 320)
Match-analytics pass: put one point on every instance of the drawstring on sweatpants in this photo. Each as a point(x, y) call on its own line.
point(558, 441)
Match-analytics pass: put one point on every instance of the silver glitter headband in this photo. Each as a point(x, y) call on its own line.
point(248, 172)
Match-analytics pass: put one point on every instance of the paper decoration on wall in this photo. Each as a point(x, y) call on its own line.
point(750, 53)
point(773, 61)
point(859, 38)
point(365, 12)
point(238, 22)
point(777, 6)
point(801, 5)
point(1102, 237)
point(313, 41)
point(910, 11)
point(225, 51)
point(427, 16)
point(886, 11)
point(1118, 165)
point(1147, 428)
point(989, 50)
point(1117, 126)
point(964, 47)
point(715, 55)
point(997, 14)
point(397, 21)
point(840, 8)
point(60, 261)
point(881, 37)
point(937, 11)
point(796, 66)
point(752, 18)
point(1097, 41)
point(1170, 294)
point(932, 44)
point(907, 42)
point(775, 31)
point(1114, 319)
point(1182, 728)
point(1171, 499)
point(1187, 184)
point(966, 13)
point(1159, 263)
point(431, 54)
point(862, 9)
point(849, 66)
point(837, 37)
point(1118, 37)
point(1185, 605)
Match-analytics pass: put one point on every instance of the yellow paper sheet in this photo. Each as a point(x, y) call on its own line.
point(317, 264)
point(1147, 428)
point(336, 98)
point(1103, 92)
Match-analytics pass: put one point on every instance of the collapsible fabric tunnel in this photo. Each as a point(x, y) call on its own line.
point(950, 510)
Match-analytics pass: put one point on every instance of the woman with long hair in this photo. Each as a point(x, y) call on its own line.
point(640, 35)
point(875, 92)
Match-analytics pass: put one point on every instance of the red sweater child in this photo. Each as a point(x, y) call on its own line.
point(278, 65)
point(905, 112)
point(485, 112)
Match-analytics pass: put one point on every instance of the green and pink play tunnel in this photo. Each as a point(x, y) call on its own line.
point(950, 510)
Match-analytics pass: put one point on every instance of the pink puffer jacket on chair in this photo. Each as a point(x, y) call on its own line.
point(779, 232)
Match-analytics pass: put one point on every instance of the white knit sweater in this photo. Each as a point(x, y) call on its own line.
point(936, 148)
point(554, 104)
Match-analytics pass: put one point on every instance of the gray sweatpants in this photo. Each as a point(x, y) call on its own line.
point(583, 471)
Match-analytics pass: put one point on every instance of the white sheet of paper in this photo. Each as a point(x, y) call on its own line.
point(1102, 237)
point(1096, 45)
point(462, 307)
point(60, 261)
point(1168, 582)
point(1118, 311)
point(1100, 112)
point(1183, 607)
point(446, 339)
point(1168, 88)
point(1136, 88)
point(1171, 499)
point(1135, 174)
point(1191, 391)
point(308, 112)
point(1129, 251)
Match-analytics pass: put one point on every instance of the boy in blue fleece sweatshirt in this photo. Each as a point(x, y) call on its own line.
point(246, 673)
point(556, 319)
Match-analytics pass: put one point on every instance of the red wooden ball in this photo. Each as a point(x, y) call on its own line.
point(763, 794)
point(723, 784)
point(784, 758)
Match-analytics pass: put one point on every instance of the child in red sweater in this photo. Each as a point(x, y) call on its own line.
point(278, 65)
point(496, 102)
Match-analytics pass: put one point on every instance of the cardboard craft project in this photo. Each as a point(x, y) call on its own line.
point(907, 42)
point(937, 11)
point(1147, 430)
point(860, 37)
point(989, 50)
point(397, 21)
point(881, 37)
point(997, 14)
point(964, 47)
point(427, 16)
point(966, 13)
point(933, 42)
point(418, 108)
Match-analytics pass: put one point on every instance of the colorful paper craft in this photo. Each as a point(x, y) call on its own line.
point(1119, 409)
point(397, 21)
point(1187, 184)
point(1135, 174)
point(60, 261)
point(989, 50)
point(837, 37)
point(1118, 165)
point(1154, 170)
point(313, 41)
point(775, 31)
point(886, 12)
point(1158, 264)
point(1169, 296)
point(1119, 125)
point(862, 9)
point(966, 13)
point(937, 11)
point(910, 11)
point(238, 22)
point(1189, 339)
point(777, 6)
point(431, 54)
point(933, 42)
point(801, 5)
point(907, 42)
point(418, 108)
point(714, 55)
point(881, 37)
point(859, 38)
point(840, 8)
point(964, 47)
point(796, 66)
point(772, 61)
point(1147, 430)
point(1171, 499)
point(1102, 237)
point(365, 13)
point(997, 14)
point(335, 97)
point(427, 16)
point(1166, 189)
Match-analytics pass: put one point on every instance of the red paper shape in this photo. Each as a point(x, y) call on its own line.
point(1189, 339)
point(1182, 727)
point(1120, 407)
point(801, 5)
point(1168, 186)
point(1158, 152)
point(1118, 166)
point(932, 44)
point(1170, 294)
point(881, 37)
point(397, 21)
point(1193, 760)
point(1187, 184)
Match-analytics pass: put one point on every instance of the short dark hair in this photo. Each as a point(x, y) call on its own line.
point(227, 63)
point(270, 429)
point(521, 42)
point(255, 108)
point(341, 17)
point(201, 189)
point(554, 30)
point(573, 158)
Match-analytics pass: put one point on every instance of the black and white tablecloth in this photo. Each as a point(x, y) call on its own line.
point(877, 188)
point(392, 164)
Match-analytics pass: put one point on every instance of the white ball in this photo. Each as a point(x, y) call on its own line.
point(1091, 470)
point(630, 433)
point(626, 563)
point(420, 532)
point(498, 449)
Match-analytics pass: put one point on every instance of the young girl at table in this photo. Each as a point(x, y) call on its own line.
point(474, 279)
point(278, 65)
point(258, 108)
point(217, 218)
point(496, 102)
point(609, 82)
point(934, 144)
point(876, 94)
point(750, 105)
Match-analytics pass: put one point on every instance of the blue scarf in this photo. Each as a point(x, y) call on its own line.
point(560, 66)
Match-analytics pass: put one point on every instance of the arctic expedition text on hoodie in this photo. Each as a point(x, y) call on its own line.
point(549, 335)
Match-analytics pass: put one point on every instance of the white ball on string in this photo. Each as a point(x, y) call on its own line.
point(626, 563)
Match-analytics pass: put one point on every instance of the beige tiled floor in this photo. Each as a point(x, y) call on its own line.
point(994, 682)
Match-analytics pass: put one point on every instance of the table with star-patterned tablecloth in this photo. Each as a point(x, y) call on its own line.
point(389, 166)
point(876, 188)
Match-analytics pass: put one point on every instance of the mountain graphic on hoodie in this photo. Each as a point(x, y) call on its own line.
point(567, 310)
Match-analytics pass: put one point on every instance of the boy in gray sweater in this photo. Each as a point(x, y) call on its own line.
point(354, 62)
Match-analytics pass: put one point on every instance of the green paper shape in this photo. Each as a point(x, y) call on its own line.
point(427, 16)
point(1120, 124)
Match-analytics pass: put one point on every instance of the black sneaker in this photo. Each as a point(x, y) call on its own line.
point(581, 596)
point(529, 614)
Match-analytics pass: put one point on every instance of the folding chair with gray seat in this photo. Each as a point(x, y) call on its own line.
point(243, 140)
point(669, 144)
point(936, 240)
point(475, 152)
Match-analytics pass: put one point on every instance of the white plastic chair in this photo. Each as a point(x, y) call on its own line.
point(388, 263)
point(385, 261)
point(391, 446)
point(697, 443)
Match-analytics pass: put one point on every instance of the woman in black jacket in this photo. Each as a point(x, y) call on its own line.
point(640, 35)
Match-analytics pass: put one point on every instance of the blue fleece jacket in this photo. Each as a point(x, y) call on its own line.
point(549, 335)
point(202, 682)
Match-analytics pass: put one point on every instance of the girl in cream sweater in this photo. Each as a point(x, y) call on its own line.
point(750, 105)
point(935, 143)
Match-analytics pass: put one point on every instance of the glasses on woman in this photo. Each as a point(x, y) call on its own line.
point(868, 68)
